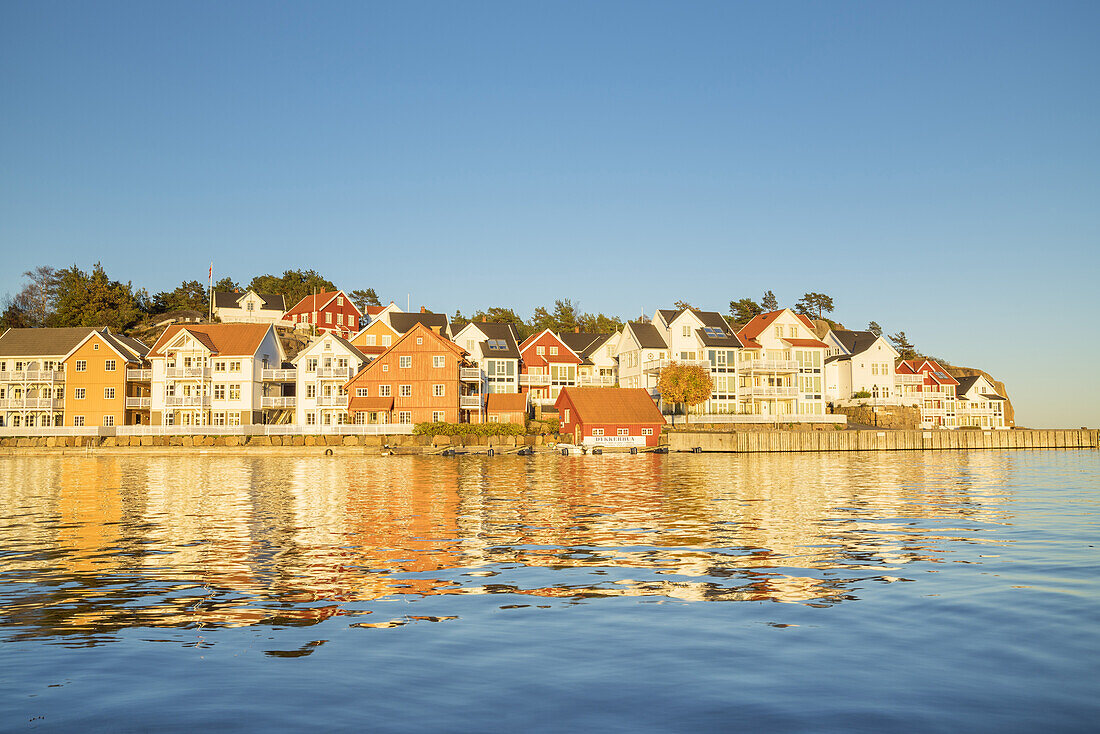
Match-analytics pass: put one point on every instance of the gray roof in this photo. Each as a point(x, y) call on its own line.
point(134, 350)
point(137, 347)
point(351, 347)
point(402, 322)
point(668, 314)
point(856, 341)
point(965, 383)
point(729, 341)
point(228, 299)
point(502, 331)
point(648, 335)
point(42, 342)
point(583, 342)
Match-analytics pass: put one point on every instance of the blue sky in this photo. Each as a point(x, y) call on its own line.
point(932, 166)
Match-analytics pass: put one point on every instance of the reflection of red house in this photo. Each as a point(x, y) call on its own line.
point(610, 416)
point(328, 311)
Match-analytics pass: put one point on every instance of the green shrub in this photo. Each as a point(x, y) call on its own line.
point(861, 394)
point(468, 429)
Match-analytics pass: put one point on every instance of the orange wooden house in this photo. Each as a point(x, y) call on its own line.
point(423, 377)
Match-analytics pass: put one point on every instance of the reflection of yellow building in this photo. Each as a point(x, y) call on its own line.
point(201, 541)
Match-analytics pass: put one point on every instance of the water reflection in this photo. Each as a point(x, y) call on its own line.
point(93, 546)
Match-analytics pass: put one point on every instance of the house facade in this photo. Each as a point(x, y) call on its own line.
point(861, 363)
point(641, 351)
point(612, 416)
point(704, 338)
point(548, 366)
point(494, 348)
point(781, 367)
point(978, 404)
point(323, 369)
point(422, 378)
point(599, 366)
point(32, 375)
point(330, 311)
point(212, 374)
point(108, 382)
point(375, 338)
point(937, 392)
point(249, 307)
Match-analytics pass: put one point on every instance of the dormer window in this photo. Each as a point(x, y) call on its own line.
point(686, 331)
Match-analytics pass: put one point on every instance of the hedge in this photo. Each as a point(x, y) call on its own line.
point(468, 429)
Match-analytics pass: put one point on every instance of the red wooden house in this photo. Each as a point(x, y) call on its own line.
point(610, 416)
point(548, 365)
point(327, 311)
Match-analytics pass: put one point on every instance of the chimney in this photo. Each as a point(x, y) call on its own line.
point(484, 319)
point(576, 330)
point(423, 310)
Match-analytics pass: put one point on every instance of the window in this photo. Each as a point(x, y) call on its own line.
point(234, 392)
point(406, 391)
point(686, 331)
point(406, 361)
point(362, 392)
point(108, 420)
point(81, 365)
point(251, 306)
point(108, 393)
point(219, 392)
point(624, 432)
point(647, 431)
point(383, 391)
point(219, 419)
point(597, 431)
point(311, 391)
point(109, 365)
point(311, 419)
point(339, 321)
point(95, 347)
point(553, 351)
point(405, 417)
point(437, 390)
point(438, 361)
point(327, 418)
point(540, 351)
point(437, 416)
point(494, 419)
point(565, 416)
point(78, 393)
point(386, 339)
point(779, 331)
point(497, 344)
point(371, 340)
point(339, 300)
point(385, 368)
point(235, 366)
point(219, 366)
point(328, 317)
point(419, 340)
point(78, 420)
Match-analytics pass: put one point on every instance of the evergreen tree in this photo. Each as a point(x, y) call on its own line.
point(814, 305)
point(744, 310)
point(901, 343)
point(769, 302)
point(874, 328)
point(363, 298)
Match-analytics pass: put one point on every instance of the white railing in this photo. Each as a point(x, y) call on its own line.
point(758, 391)
point(145, 430)
point(469, 373)
point(345, 429)
point(596, 381)
point(32, 376)
point(140, 375)
point(138, 402)
point(659, 364)
point(187, 401)
point(278, 375)
point(37, 431)
point(534, 380)
point(333, 373)
point(909, 379)
point(332, 401)
point(187, 372)
point(469, 401)
point(769, 365)
point(755, 418)
point(32, 403)
point(277, 402)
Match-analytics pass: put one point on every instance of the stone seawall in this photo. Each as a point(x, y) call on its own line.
point(780, 441)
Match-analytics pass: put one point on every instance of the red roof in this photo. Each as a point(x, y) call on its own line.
point(806, 343)
point(370, 405)
point(318, 301)
point(505, 402)
point(375, 310)
point(760, 322)
point(610, 405)
point(226, 340)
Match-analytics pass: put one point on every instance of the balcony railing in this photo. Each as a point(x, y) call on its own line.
point(32, 376)
point(139, 375)
point(469, 374)
point(769, 365)
point(333, 373)
point(758, 391)
point(187, 372)
point(278, 402)
point(278, 375)
point(596, 381)
point(470, 402)
point(32, 403)
point(138, 402)
point(187, 401)
point(534, 380)
point(656, 365)
point(909, 379)
point(332, 401)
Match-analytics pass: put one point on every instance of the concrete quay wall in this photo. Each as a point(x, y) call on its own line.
point(783, 441)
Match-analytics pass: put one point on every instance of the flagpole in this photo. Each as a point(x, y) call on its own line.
point(210, 288)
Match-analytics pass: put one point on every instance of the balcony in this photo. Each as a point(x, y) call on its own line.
point(596, 381)
point(656, 365)
point(32, 376)
point(333, 373)
point(138, 402)
point(469, 402)
point(332, 401)
point(759, 391)
point(32, 404)
point(909, 379)
point(187, 373)
point(277, 402)
point(139, 375)
point(187, 401)
point(534, 380)
point(278, 375)
point(769, 365)
point(469, 374)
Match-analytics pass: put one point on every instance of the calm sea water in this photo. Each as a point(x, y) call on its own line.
point(904, 592)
